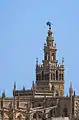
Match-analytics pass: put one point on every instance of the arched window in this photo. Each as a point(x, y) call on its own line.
point(45, 56)
point(56, 75)
point(51, 113)
point(34, 116)
point(39, 114)
point(47, 77)
point(54, 111)
point(53, 76)
point(19, 117)
point(37, 77)
point(39, 105)
point(57, 93)
point(52, 57)
point(59, 76)
point(62, 76)
point(42, 75)
point(53, 87)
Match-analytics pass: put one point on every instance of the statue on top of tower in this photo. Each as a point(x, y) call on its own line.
point(49, 24)
point(50, 37)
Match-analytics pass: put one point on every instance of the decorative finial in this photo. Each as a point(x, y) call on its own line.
point(3, 94)
point(14, 85)
point(74, 93)
point(49, 24)
point(67, 95)
point(71, 89)
point(23, 88)
point(62, 61)
point(33, 85)
point(71, 85)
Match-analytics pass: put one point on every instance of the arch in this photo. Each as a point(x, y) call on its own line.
point(19, 116)
point(37, 115)
point(44, 115)
point(34, 115)
point(10, 105)
point(51, 113)
point(57, 93)
point(53, 88)
point(40, 114)
point(56, 75)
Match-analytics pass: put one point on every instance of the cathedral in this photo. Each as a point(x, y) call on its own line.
point(46, 99)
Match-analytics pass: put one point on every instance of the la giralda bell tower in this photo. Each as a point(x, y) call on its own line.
point(50, 75)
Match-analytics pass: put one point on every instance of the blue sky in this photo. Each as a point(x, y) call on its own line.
point(23, 31)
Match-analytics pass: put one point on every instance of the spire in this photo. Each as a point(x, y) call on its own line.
point(14, 85)
point(70, 92)
point(33, 88)
point(18, 101)
point(70, 89)
point(71, 86)
point(62, 61)
point(14, 89)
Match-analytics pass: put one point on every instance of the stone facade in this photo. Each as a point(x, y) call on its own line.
point(46, 98)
